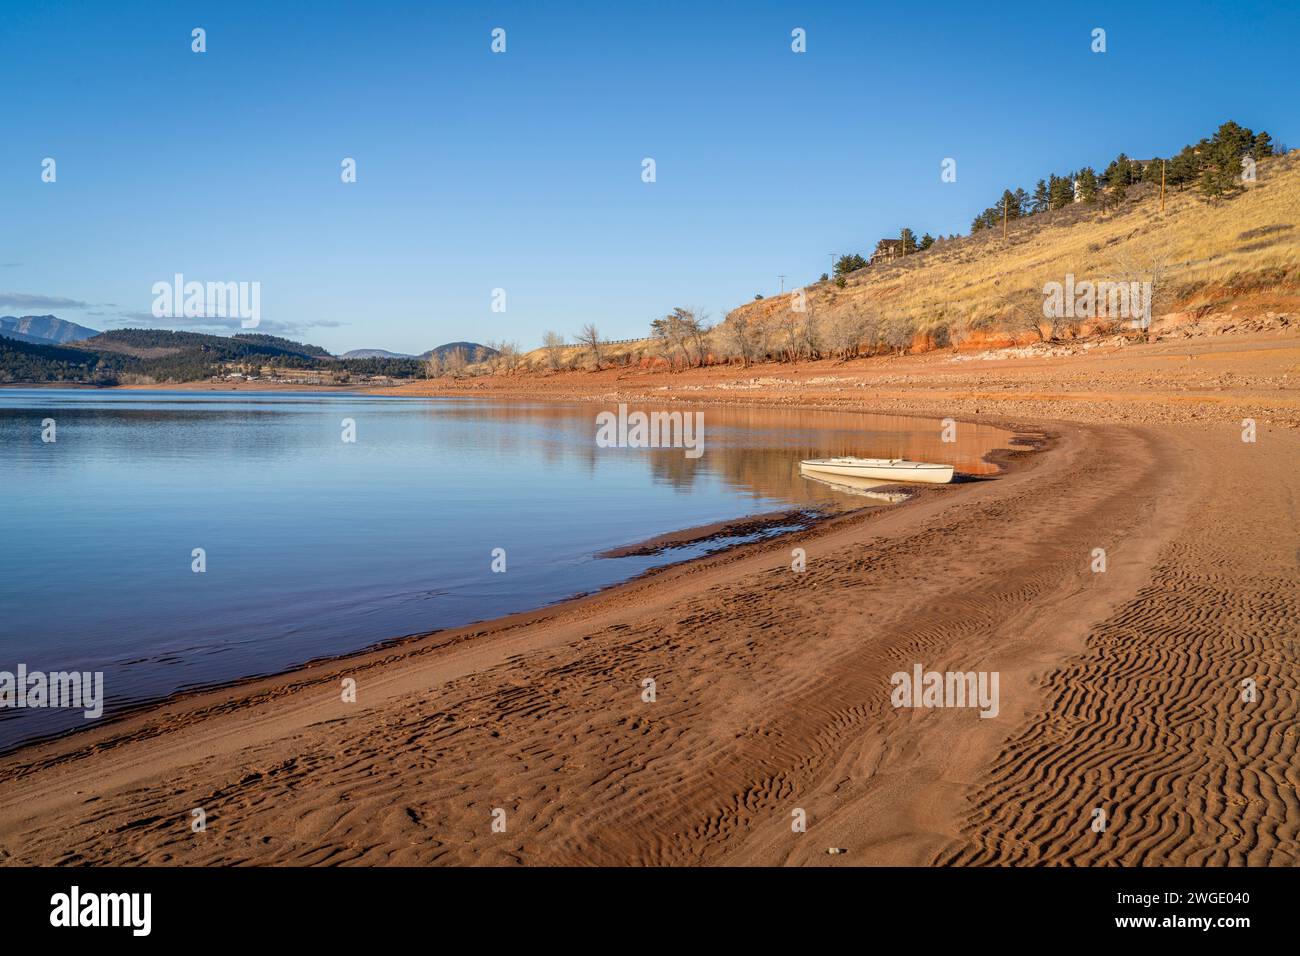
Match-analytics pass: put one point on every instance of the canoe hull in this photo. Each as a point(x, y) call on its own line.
point(882, 469)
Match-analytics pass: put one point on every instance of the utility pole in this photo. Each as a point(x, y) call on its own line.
point(1162, 187)
point(782, 278)
point(1004, 216)
point(831, 274)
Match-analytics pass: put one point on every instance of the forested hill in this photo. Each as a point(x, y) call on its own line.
point(159, 355)
point(158, 341)
point(25, 362)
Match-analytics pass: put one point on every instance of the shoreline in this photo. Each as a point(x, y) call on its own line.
point(773, 688)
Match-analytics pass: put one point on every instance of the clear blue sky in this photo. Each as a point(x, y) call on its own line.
point(523, 171)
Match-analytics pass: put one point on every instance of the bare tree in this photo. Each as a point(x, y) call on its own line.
point(1151, 273)
point(490, 355)
point(1025, 314)
point(698, 331)
point(766, 334)
point(665, 350)
point(433, 365)
point(671, 335)
point(898, 332)
point(789, 326)
point(844, 333)
point(872, 329)
point(454, 363)
point(553, 342)
point(740, 337)
point(590, 337)
point(509, 355)
point(809, 337)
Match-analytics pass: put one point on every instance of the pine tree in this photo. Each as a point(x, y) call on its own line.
point(849, 263)
point(1087, 180)
point(1040, 201)
point(1223, 165)
point(1185, 167)
point(1060, 191)
point(1119, 172)
point(908, 238)
point(1118, 190)
point(926, 241)
point(1021, 205)
point(1210, 185)
point(1006, 204)
point(1233, 139)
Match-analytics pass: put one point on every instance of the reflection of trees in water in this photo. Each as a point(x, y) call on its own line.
point(760, 472)
point(671, 466)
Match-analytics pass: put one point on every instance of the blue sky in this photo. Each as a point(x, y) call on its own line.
point(522, 170)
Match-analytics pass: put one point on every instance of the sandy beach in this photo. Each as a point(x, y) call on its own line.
point(1119, 690)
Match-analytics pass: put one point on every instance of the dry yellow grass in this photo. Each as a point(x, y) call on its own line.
point(1248, 241)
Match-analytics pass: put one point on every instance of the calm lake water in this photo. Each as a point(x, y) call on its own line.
point(316, 546)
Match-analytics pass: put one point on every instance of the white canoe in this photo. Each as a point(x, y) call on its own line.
point(882, 469)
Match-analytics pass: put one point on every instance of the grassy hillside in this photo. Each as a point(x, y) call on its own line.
point(1242, 252)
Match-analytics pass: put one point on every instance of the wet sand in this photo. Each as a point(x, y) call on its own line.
point(1119, 691)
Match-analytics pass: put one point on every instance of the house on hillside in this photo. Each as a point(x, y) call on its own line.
point(886, 250)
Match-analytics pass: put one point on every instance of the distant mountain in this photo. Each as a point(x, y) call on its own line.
point(13, 336)
point(469, 348)
point(373, 353)
point(43, 329)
